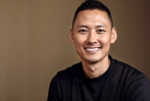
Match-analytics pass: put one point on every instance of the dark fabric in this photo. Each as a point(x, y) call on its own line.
point(120, 82)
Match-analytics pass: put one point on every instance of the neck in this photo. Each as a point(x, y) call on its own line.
point(94, 70)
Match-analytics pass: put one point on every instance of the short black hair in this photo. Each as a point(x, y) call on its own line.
point(92, 4)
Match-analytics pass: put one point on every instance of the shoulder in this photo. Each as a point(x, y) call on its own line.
point(125, 73)
point(61, 82)
point(135, 82)
point(67, 73)
point(127, 69)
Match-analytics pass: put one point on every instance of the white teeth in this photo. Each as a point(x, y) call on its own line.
point(92, 49)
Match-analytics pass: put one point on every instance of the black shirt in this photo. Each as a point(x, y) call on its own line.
point(120, 82)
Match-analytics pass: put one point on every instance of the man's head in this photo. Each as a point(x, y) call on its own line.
point(92, 32)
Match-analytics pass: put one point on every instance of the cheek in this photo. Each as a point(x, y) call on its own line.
point(104, 39)
point(79, 39)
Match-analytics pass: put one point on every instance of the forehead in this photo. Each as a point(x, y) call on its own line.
point(92, 18)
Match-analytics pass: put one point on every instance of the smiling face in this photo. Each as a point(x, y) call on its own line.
point(92, 35)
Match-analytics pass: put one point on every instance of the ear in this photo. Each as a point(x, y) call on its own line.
point(113, 35)
point(71, 36)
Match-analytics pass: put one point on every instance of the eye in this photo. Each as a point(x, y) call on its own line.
point(83, 31)
point(101, 31)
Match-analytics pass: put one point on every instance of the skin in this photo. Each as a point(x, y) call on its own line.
point(92, 30)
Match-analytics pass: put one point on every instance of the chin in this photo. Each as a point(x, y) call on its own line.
point(92, 60)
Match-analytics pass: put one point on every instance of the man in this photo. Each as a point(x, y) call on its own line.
point(98, 77)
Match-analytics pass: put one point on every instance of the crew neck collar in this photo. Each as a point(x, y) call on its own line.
point(100, 78)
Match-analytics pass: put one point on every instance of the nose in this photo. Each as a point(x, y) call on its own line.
point(92, 37)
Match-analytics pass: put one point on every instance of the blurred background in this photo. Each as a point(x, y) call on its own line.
point(34, 42)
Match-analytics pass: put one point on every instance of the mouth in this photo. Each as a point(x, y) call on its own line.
point(92, 49)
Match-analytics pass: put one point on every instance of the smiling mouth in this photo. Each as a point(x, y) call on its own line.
point(90, 49)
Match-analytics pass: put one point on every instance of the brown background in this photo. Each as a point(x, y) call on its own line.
point(34, 42)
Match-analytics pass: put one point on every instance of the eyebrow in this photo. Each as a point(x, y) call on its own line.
point(87, 26)
point(99, 26)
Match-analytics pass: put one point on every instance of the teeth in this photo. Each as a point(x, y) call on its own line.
point(92, 49)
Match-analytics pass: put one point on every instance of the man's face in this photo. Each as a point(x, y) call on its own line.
point(92, 35)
